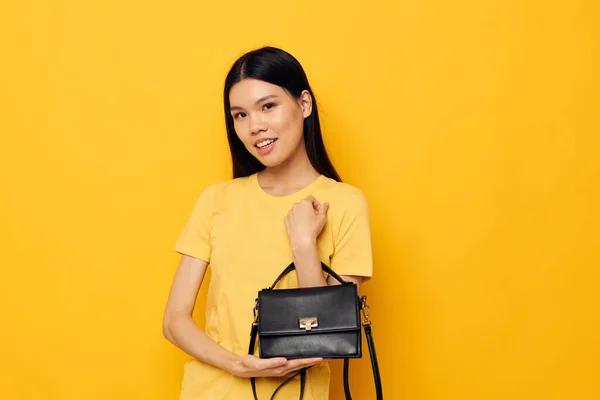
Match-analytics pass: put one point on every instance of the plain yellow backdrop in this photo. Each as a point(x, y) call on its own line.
point(471, 126)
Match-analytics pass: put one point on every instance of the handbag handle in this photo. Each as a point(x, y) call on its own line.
point(292, 267)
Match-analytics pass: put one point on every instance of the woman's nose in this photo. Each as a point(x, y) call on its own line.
point(257, 124)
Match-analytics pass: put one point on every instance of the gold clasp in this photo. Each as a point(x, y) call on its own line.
point(309, 323)
point(364, 307)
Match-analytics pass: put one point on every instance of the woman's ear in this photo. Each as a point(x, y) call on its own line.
point(306, 103)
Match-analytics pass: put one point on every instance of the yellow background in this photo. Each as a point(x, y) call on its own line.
point(472, 127)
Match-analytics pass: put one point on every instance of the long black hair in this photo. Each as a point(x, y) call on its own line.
point(278, 67)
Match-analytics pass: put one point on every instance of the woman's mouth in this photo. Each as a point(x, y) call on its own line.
point(265, 146)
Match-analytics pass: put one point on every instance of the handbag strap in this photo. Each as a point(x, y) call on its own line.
point(292, 267)
point(302, 372)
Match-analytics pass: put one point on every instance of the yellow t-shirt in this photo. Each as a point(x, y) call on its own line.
point(238, 228)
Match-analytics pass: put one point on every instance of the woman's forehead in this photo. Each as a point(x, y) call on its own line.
point(248, 91)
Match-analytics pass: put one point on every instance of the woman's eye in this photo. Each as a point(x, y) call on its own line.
point(268, 106)
point(239, 115)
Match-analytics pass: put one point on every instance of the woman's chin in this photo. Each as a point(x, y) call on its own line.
point(269, 164)
point(268, 160)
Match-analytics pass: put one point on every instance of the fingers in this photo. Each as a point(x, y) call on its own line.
point(303, 362)
point(322, 210)
point(316, 204)
point(279, 366)
point(295, 365)
point(310, 199)
point(270, 363)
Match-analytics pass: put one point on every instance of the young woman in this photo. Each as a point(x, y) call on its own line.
point(285, 203)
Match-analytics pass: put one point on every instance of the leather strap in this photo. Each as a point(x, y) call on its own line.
point(302, 372)
point(374, 363)
point(292, 267)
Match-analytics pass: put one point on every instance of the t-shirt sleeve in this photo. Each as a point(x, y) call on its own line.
point(194, 240)
point(352, 253)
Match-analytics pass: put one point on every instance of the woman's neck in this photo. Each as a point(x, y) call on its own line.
point(288, 177)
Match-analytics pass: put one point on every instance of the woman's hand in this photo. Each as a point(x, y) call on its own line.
point(305, 221)
point(251, 366)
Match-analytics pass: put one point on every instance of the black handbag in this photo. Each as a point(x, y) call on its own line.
point(313, 322)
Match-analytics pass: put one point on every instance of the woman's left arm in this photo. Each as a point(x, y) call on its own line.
point(304, 223)
point(331, 281)
point(308, 264)
point(310, 272)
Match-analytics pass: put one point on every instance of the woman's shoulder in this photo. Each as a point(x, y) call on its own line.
point(229, 184)
point(224, 188)
point(345, 195)
point(343, 189)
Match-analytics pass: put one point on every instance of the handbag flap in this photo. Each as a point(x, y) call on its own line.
point(311, 310)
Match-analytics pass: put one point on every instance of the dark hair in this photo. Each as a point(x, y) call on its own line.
point(275, 66)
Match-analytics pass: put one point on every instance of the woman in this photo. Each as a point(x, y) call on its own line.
point(285, 203)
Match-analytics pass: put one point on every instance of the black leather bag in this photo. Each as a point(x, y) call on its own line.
point(313, 322)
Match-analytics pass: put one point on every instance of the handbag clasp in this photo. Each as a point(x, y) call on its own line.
point(309, 323)
point(364, 307)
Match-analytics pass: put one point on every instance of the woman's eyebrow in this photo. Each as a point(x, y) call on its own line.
point(267, 97)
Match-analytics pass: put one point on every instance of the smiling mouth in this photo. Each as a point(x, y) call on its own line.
point(265, 143)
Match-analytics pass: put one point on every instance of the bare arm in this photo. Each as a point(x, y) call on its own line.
point(181, 330)
point(178, 326)
point(310, 272)
point(304, 223)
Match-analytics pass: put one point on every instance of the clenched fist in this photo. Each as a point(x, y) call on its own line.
point(305, 221)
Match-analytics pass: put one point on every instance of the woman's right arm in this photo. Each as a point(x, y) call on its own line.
point(181, 330)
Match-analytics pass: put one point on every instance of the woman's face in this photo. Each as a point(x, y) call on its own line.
point(268, 120)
